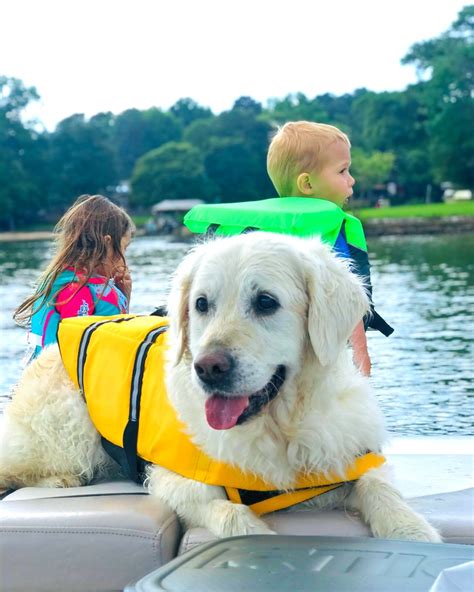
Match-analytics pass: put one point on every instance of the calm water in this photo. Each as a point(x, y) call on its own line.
point(423, 286)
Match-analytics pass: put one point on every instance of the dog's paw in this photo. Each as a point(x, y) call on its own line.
point(387, 513)
point(59, 481)
point(409, 527)
point(226, 519)
point(417, 532)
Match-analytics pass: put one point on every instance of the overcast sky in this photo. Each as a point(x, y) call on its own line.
point(87, 56)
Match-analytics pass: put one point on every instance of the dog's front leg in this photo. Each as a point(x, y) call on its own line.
point(386, 512)
point(198, 504)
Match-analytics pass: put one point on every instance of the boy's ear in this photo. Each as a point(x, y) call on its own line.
point(304, 184)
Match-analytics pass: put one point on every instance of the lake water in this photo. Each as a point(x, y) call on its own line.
point(423, 286)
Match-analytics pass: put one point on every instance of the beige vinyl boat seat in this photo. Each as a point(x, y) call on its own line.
point(94, 538)
point(107, 535)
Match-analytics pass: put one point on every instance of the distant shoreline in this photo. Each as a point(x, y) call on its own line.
point(372, 226)
point(418, 225)
point(34, 235)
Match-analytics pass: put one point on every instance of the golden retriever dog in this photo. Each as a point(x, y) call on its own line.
point(259, 372)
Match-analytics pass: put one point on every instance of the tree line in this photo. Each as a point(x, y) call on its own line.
point(415, 139)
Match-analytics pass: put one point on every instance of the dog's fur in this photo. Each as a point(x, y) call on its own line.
point(266, 302)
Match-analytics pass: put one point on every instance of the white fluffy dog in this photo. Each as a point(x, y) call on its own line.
point(260, 373)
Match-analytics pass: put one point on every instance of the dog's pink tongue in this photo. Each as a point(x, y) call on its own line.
point(223, 412)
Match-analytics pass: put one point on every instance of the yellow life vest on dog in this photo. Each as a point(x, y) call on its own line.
point(117, 362)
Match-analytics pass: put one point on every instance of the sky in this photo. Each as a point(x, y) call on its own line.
point(89, 56)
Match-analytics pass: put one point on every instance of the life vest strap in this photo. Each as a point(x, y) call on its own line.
point(118, 454)
point(130, 434)
point(277, 500)
point(377, 323)
point(130, 439)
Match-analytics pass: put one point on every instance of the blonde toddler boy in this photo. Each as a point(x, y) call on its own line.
point(307, 159)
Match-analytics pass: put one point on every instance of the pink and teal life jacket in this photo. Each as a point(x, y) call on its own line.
point(98, 296)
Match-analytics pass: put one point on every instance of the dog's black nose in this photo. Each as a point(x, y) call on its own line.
point(214, 368)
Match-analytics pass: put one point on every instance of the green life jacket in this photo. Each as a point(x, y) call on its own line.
point(298, 216)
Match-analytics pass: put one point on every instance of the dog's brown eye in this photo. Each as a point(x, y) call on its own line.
point(264, 303)
point(201, 304)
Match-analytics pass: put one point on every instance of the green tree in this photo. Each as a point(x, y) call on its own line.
point(104, 123)
point(173, 171)
point(247, 105)
point(186, 111)
point(371, 169)
point(200, 133)
point(452, 146)
point(82, 159)
point(234, 145)
point(21, 156)
point(295, 107)
point(388, 120)
point(337, 110)
point(447, 63)
point(233, 169)
point(247, 135)
point(137, 132)
point(413, 175)
point(395, 122)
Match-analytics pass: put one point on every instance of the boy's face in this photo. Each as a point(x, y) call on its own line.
point(332, 181)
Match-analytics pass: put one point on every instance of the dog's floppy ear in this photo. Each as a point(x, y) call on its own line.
point(337, 300)
point(178, 302)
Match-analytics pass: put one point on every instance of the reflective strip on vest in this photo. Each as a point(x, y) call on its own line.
point(139, 369)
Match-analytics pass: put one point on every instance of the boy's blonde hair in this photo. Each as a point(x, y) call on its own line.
point(298, 147)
